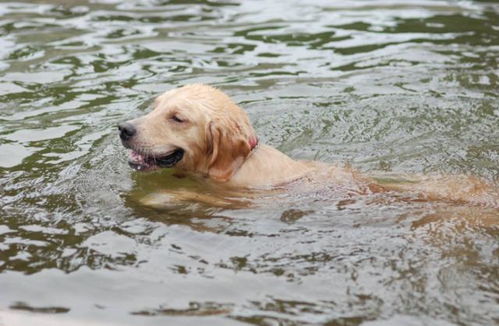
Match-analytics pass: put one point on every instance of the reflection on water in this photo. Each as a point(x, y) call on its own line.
point(392, 86)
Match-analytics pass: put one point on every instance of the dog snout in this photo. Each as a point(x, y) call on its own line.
point(127, 131)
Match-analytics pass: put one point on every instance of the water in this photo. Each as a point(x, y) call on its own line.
point(390, 86)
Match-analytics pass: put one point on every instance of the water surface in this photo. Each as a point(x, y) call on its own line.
point(390, 86)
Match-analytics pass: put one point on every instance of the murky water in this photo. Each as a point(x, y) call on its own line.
point(394, 86)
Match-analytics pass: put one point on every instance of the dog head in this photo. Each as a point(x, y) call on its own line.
point(196, 129)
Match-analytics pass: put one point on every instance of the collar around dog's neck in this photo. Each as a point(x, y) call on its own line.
point(253, 142)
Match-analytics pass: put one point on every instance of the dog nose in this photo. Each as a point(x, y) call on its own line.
point(127, 130)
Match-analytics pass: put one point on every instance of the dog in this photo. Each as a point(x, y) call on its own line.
point(198, 131)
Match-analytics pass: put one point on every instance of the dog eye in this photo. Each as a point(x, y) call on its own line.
point(176, 119)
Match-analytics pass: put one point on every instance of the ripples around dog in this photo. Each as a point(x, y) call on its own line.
point(393, 86)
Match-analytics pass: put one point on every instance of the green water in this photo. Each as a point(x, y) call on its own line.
point(390, 86)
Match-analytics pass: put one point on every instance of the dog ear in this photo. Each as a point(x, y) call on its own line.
point(227, 149)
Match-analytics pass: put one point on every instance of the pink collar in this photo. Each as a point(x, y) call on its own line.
point(253, 142)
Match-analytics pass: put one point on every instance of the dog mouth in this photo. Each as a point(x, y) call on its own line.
point(142, 162)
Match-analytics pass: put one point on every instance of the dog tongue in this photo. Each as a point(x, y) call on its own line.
point(139, 161)
point(136, 157)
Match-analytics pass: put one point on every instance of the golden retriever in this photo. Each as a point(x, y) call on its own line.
point(199, 131)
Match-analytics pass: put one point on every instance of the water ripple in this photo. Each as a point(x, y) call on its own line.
point(383, 85)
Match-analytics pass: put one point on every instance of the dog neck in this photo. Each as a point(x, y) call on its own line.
point(266, 166)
